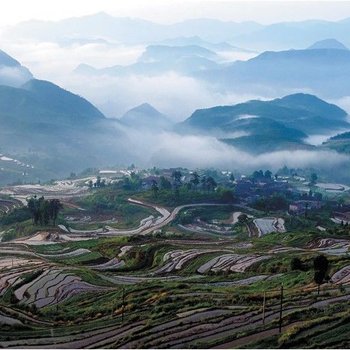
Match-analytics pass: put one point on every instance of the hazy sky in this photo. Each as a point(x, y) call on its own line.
point(166, 11)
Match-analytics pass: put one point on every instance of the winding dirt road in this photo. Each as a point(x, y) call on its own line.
point(152, 224)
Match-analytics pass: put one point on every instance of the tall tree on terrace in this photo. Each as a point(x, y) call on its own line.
point(195, 180)
point(313, 179)
point(31, 204)
point(54, 208)
point(176, 175)
point(42, 210)
point(155, 188)
point(321, 265)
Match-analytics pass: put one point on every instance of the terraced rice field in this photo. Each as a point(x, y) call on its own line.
point(53, 286)
point(112, 264)
point(69, 254)
point(6, 205)
point(45, 238)
point(268, 225)
point(156, 286)
point(330, 246)
point(342, 276)
point(175, 260)
point(231, 262)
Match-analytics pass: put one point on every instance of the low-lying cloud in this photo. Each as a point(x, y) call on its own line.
point(14, 76)
point(172, 94)
point(168, 149)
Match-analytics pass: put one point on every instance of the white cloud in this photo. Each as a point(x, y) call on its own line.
point(174, 95)
point(169, 149)
point(14, 76)
point(51, 61)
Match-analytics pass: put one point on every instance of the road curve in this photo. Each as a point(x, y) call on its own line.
point(155, 224)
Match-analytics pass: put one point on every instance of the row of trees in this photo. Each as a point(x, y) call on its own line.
point(44, 211)
point(320, 265)
point(204, 183)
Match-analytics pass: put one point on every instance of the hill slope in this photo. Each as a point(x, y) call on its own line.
point(55, 130)
point(323, 71)
point(339, 143)
point(260, 126)
point(12, 73)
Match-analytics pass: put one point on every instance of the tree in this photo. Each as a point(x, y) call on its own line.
point(154, 188)
point(313, 179)
point(42, 210)
point(296, 264)
point(54, 208)
point(90, 184)
point(176, 175)
point(321, 265)
point(195, 180)
point(227, 196)
point(31, 204)
point(232, 178)
point(319, 278)
point(268, 174)
point(165, 184)
point(243, 218)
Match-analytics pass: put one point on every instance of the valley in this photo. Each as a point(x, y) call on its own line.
point(172, 274)
point(174, 174)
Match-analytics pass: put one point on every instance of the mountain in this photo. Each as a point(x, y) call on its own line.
point(198, 41)
point(163, 52)
point(42, 102)
point(262, 126)
point(7, 61)
point(323, 71)
point(255, 36)
point(339, 143)
point(328, 44)
point(12, 73)
point(62, 102)
point(126, 30)
point(145, 116)
point(285, 35)
point(56, 131)
point(304, 112)
point(159, 59)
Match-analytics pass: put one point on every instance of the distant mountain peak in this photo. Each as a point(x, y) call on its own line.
point(84, 68)
point(145, 108)
point(145, 116)
point(142, 111)
point(328, 44)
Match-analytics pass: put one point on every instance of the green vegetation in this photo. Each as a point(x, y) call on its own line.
point(151, 285)
point(42, 210)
